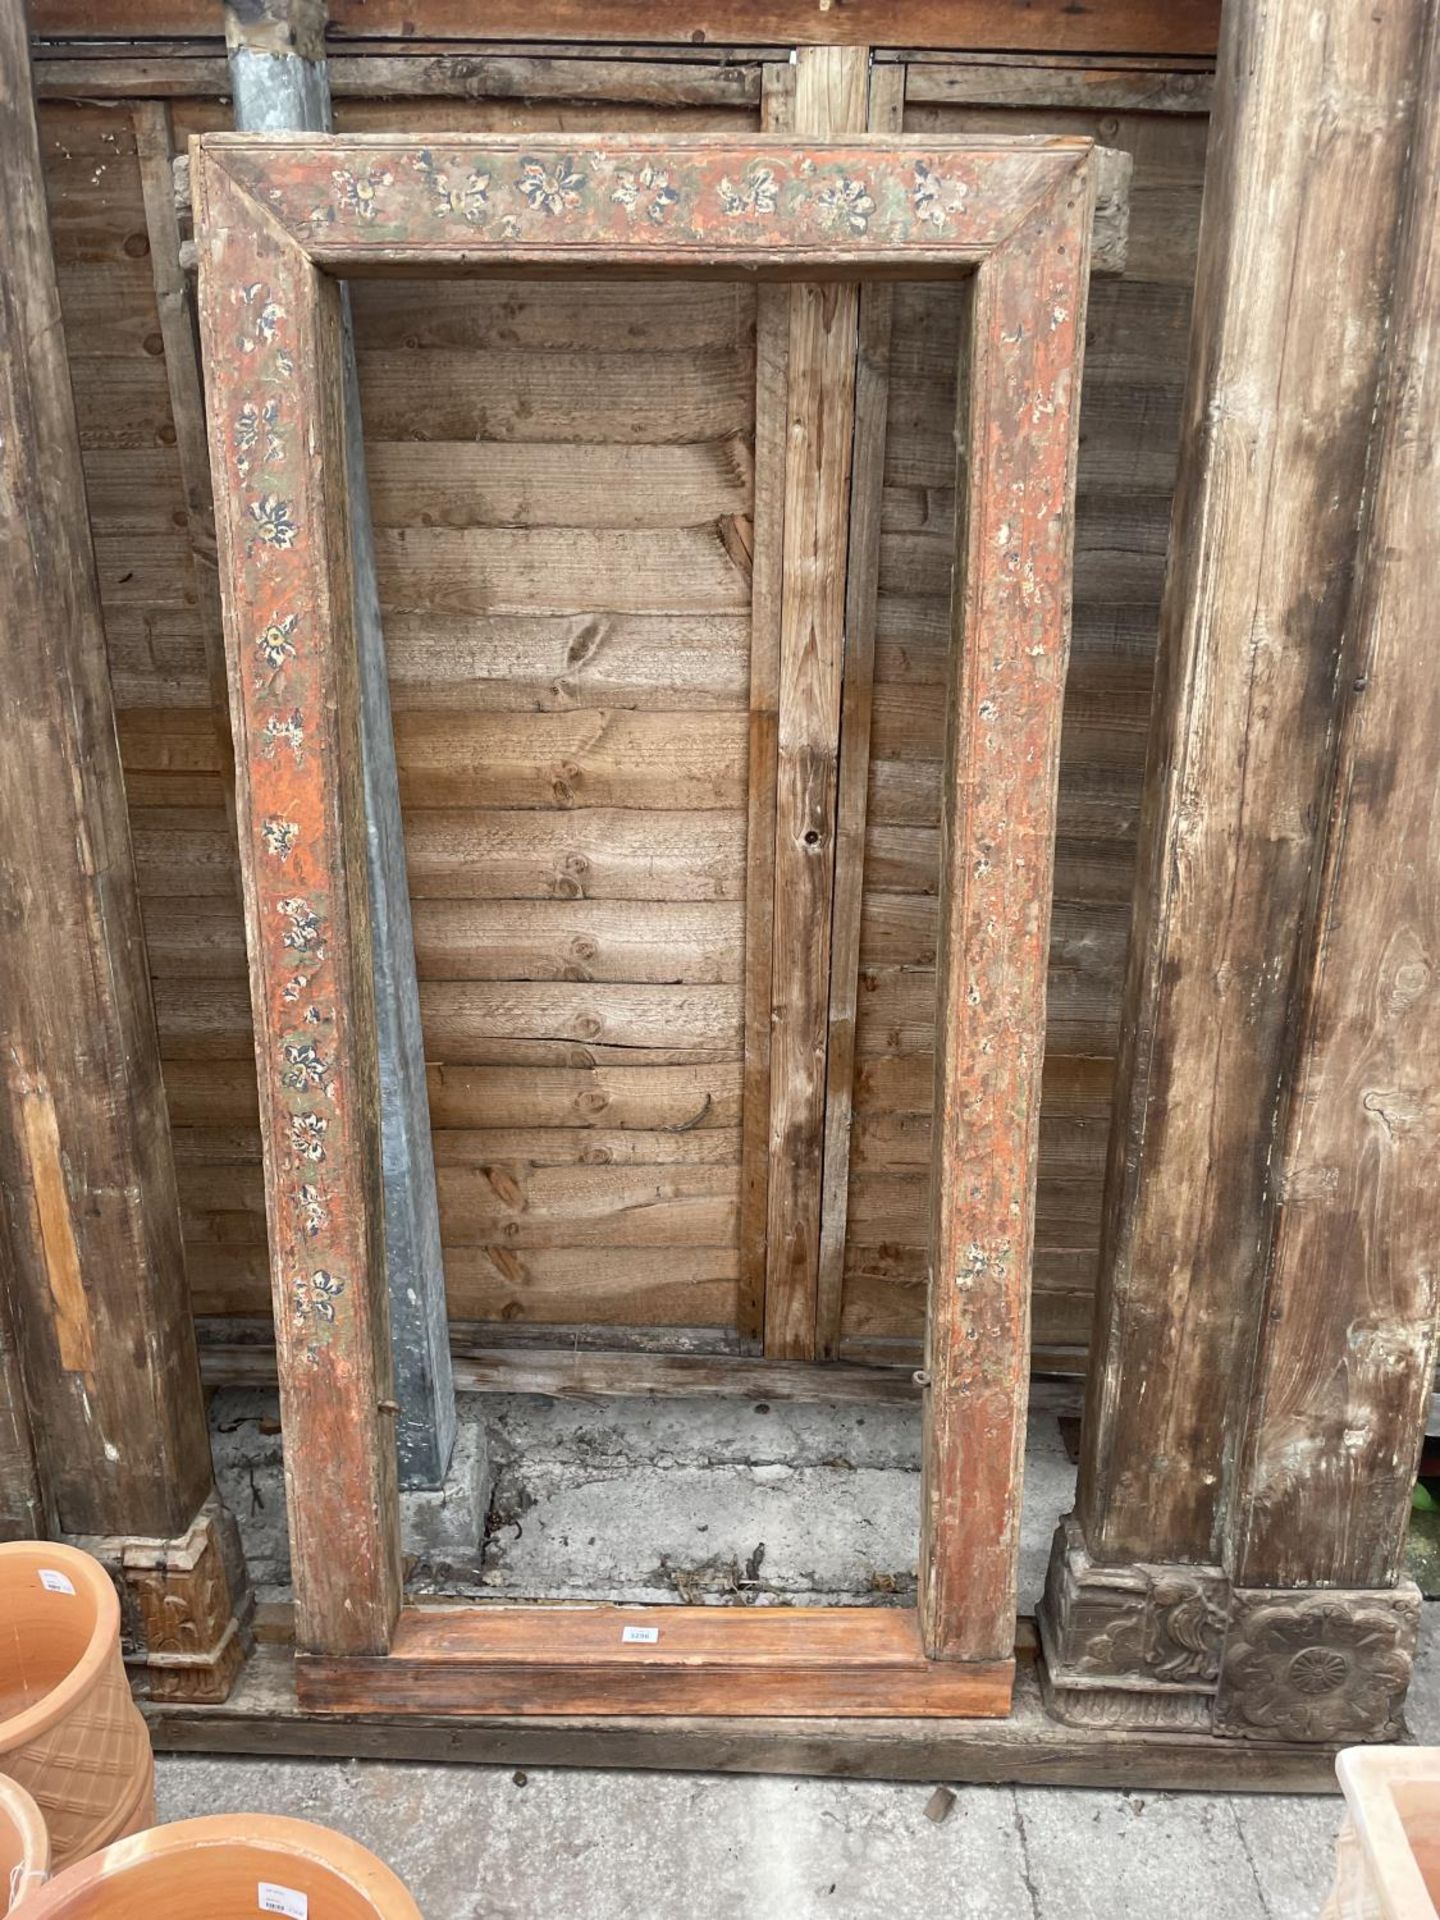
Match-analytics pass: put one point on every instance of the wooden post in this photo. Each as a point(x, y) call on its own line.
point(277, 68)
point(1347, 1330)
point(831, 97)
point(1233, 1153)
point(92, 1241)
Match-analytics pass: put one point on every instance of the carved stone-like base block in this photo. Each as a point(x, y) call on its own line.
point(1312, 1665)
point(185, 1607)
point(1131, 1646)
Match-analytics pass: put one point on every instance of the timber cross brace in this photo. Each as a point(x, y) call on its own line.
point(278, 219)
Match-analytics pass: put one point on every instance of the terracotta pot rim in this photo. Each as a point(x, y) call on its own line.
point(85, 1575)
point(17, 1806)
point(356, 1865)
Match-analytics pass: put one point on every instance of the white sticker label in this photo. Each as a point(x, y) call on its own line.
point(639, 1636)
point(273, 1899)
point(54, 1582)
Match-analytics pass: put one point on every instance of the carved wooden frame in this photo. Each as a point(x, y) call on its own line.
point(278, 218)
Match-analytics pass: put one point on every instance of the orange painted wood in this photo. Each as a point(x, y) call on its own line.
point(276, 217)
point(723, 1661)
point(1011, 615)
point(271, 333)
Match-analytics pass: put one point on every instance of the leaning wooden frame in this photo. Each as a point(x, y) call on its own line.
point(279, 221)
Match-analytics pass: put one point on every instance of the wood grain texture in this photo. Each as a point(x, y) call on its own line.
point(92, 1245)
point(1347, 1333)
point(831, 97)
point(1131, 26)
point(1015, 488)
point(714, 1661)
point(1297, 248)
point(273, 345)
point(872, 395)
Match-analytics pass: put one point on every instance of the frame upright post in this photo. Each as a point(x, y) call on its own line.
point(280, 81)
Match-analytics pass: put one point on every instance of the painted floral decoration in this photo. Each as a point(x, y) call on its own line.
point(279, 836)
point(928, 195)
point(650, 188)
point(360, 192)
point(307, 1135)
point(553, 189)
point(467, 196)
point(274, 520)
point(304, 1066)
point(847, 203)
point(314, 1214)
point(325, 1290)
point(302, 933)
point(757, 193)
point(291, 731)
point(274, 643)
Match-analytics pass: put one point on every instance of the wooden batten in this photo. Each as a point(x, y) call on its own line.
point(831, 97)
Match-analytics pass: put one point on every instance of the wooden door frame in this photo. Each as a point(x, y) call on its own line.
point(278, 219)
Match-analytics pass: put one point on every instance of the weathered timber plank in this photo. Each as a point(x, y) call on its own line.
point(831, 97)
point(772, 357)
point(1127, 27)
point(92, 1241)
point(872, 395)
point(1028, 1748)
point(1298, 235)
point(331, 1310)
point(1017, 437)
point(722, 1661)
point(1347, 1333)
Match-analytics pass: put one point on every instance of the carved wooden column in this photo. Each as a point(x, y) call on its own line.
point(1263, 1346)
point(91, 1247)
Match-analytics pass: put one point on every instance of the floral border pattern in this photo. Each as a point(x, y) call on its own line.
point(506, 195)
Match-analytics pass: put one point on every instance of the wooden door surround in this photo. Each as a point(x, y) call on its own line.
point(279, 219)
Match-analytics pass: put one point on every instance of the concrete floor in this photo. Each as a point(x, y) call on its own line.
point(668, 1499)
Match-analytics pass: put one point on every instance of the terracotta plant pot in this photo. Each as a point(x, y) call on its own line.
point(24, 1846)
point(69, 1732)
point(228, 1868)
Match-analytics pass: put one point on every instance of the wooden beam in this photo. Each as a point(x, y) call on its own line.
point(831, 97)
point(872, 402)
point(87, 1182)
point(1347, 1325)
point(264, 1717)
point(274, 351)
point(1307, 156)
point(278, 68)
point(1018, 394)
point(715, 1661)
point(590, 1374)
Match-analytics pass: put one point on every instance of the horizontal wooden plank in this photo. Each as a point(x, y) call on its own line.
point(715, 1660)
point(670, 762)
point(664, 944)
point(491, 1023)
point(678, 1099)
point(505, 663)
point(497, 483)
point(565, 316)
point(592, 853)
point(559, 662)
point(671, 1286)
point(450, 570)
point(1128, 26)
point(592, 395)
